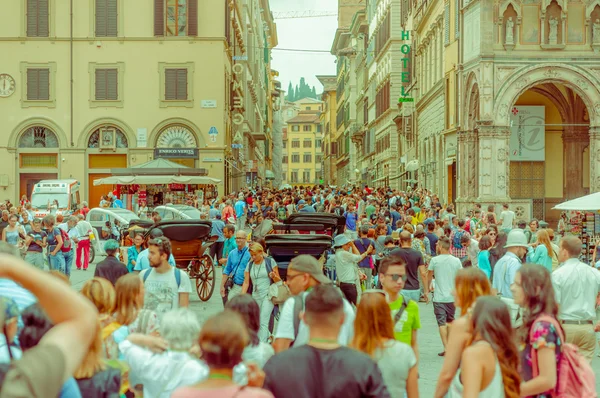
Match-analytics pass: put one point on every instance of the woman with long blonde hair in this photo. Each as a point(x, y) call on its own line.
point(470, 283)
point(94, 378)
point(490, 364)
point(102, 294)
point(374, 335)
point(543, 252)
point(129, 305)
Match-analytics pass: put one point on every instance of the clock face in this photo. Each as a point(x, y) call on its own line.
point(7, 85)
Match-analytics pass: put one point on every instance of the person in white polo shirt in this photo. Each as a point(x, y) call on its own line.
point(576, 285)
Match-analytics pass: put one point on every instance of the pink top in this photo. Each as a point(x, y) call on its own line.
point(224, 392)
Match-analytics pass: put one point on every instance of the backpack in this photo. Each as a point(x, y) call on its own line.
point(177, 276)
point(66, 247)
point(456, 240)
point(575, 377)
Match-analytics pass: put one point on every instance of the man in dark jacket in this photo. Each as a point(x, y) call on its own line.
point(111, 268)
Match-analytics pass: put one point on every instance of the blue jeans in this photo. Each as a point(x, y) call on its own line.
point(69, 257)
point(57, 262)
point(413, 295)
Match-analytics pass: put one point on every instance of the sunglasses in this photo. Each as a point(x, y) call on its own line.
point(395, 277)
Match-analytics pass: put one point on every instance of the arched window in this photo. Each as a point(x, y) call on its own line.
point(38, 137)
point(176, 136)
point(121, 138)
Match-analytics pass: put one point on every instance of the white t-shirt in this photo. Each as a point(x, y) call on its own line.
point(285, 327)
point(507, 217)
point(444, 267)
point(162, 293)
point(346, 266)
point(395, 362)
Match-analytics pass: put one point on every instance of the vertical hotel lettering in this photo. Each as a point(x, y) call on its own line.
point(406, 50)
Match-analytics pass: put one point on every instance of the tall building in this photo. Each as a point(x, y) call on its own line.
point(497, 102)
point(328, 126)
point(303, 144)
point(88, 86)
point(530, 118)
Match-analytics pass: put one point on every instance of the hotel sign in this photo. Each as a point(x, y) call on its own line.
point(405, 75)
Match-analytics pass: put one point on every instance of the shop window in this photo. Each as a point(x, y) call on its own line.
point(120, 139)
point(38, 137)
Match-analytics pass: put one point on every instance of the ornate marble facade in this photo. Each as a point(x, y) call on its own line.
point(504, 65)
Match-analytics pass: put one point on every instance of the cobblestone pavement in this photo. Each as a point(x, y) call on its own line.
point(429, 341)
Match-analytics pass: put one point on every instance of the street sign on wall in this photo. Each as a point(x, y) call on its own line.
point(527, 134)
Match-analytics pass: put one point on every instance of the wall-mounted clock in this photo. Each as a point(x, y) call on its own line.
point(7, 85)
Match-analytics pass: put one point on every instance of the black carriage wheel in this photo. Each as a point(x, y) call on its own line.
point(205, 281)
point(92, 254)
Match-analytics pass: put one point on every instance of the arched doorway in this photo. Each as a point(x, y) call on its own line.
point(38, 154)
point(570, 99)
point(178, 144)
point(552, 137)
point(107, 148)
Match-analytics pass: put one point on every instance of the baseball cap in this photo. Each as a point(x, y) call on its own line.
point(305, 263)
point(301, 202)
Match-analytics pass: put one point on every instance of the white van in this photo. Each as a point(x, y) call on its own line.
point(45, 192)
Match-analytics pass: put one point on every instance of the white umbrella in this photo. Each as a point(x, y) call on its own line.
point(585, 203)
point(413, 165)
point(158, 179)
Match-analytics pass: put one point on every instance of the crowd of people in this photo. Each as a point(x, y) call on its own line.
point(515, 308)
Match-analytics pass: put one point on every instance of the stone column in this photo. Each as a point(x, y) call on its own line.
point(493, 164)
point(594, 159)
point(472, 150)
point(575, 139)
point(463, 165)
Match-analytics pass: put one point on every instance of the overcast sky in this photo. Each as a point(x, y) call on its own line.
point(308, 34)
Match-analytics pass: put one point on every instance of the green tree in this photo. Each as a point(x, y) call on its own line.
point(313, 94)
point(290, 96)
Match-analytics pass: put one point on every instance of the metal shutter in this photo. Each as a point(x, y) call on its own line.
point(192, 12)
point(111, 18)
point(38, 84)
point(170, 84)
point(100, 84)
point(159, 17)
point(112, 84)
point(32, 18)
point(42, 19)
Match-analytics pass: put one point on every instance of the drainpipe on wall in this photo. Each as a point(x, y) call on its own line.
point(71, 69)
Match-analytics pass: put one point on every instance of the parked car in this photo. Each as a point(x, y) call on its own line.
point(177, 212)
point(104, 218)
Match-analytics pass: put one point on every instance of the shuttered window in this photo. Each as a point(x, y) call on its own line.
point(107, 85)
point(38, 84)
point(176, 84)
point(106, 18)
point(175, 17)
point(37, 18)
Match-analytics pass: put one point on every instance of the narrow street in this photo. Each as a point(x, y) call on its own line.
point(429, 340)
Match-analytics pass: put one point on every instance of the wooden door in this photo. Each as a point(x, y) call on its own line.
point(95, 192)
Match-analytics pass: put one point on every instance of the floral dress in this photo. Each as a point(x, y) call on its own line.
point(544, 335)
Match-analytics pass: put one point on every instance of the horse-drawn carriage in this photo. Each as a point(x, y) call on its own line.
point(302, 233)
point(189, 241)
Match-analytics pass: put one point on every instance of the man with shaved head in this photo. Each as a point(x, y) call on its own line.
point(415, 267)
point(576, 286)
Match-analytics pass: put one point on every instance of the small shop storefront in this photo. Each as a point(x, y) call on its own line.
point(159, 182)
point(38, 157)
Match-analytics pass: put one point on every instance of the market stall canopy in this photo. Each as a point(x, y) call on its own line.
point(269, 175)
point(413, 165)
point(159, 166)
point(585, 203)
point(156, 179)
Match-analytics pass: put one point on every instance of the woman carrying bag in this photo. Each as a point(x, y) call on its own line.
point(262, 272)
